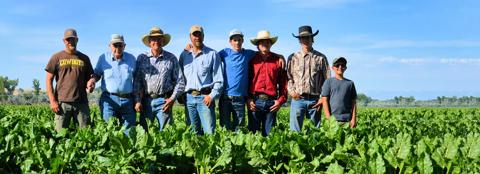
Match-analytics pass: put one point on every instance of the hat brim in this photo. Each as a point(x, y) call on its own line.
point(303, 35)
point(254, 41)
point(166, 39)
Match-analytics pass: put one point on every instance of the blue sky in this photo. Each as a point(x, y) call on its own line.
point(395, 48)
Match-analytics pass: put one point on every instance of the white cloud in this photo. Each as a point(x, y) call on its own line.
point(405, 43)
point(460, 61)
point(406, 61)
point(315, 3)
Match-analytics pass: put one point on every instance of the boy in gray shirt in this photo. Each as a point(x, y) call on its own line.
point(339, 95)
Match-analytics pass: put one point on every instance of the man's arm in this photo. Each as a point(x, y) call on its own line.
point(326, 107)
point(51, 96)
point(353, 122)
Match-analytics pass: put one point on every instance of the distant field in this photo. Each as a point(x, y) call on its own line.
point(387, 140)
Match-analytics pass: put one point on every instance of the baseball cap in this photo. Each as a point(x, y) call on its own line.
point(195, 28)
point(235, 32)
point(70, 33)
point(116, 38)
point(339, 59)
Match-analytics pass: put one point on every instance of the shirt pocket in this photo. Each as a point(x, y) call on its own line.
point(204, 68)
point(108, 74)
point(126, 72)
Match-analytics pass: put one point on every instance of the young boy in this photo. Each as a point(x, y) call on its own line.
point(339, 95)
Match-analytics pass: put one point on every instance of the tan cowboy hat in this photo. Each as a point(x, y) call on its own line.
point(264, 34)
point(155, 31)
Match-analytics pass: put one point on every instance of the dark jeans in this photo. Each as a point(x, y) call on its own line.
point(262, 119)
point(232, 112)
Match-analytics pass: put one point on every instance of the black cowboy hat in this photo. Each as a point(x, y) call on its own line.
point(305, 31)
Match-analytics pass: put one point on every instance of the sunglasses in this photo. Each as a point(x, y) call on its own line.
point(70, 39)
point(340, 64)
point(118, 45)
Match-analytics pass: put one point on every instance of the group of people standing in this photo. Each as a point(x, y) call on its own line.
point(237, 77)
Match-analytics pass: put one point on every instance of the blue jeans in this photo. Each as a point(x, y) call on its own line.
point(121, 108)
point(232, 112)
point(153, 108)
point(300, 109)
point(262, 119)
point(199, 115)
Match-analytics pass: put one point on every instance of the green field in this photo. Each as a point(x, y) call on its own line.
point(425, 140)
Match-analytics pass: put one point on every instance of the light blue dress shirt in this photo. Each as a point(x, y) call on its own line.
point(202, 70)
point(117, 75)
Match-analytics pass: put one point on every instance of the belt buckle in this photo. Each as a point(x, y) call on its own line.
point(263, 96)
point(195, 93)
point(154, 96)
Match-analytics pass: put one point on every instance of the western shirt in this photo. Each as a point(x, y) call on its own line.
point(158, 75)
point(202, 70)
point(307, 72)
point(268, 77)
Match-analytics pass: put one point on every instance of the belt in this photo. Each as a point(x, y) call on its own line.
point(309, 96)
point(164, 95)
point(203, 91)
point(233, 97)
point(128, 95)
point(264, 97)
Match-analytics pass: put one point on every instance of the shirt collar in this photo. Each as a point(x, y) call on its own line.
point(114, 59)
point(150, 54)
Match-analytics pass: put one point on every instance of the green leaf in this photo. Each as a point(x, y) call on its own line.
point(334, 168)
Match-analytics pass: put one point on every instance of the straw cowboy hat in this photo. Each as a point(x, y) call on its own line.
point(261, 35)
point(155, 31)
point(305, 31)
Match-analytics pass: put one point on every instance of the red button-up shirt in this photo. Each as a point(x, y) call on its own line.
point(265, 74)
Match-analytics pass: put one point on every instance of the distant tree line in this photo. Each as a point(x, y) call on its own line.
point(37, 96)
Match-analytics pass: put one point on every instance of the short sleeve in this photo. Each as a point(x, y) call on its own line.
point(52, 65)
point(353, 91)
point(326, 88)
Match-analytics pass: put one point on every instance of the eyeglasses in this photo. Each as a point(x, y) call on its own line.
point(70, 39)
point(340, 64)
point(118, 45)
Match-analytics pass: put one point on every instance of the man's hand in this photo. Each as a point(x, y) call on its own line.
point(168, 105)
point(283, 63)
point(207, 100)
point(189, 47)
point(295, 96)
point(251, 105)
point(138, 106)
point(91, 85)
point(318, 105)
point(275, 106)
point(353, 123)
point(54, 106)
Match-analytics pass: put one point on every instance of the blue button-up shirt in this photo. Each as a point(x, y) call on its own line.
point(117, 75)
point(158, 75)
point(236, 70)
point(202, 70)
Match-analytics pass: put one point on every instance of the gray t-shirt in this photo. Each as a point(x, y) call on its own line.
point(340, 93)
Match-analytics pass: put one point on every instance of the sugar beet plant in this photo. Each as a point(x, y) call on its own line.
point(385, 141)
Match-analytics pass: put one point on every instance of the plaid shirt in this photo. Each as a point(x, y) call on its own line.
point(158, 75)
point(307, 72)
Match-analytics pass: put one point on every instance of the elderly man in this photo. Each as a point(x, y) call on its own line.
point(158, 80)
point(116, 68)
point(204, 82)
point(72, 70)
point(268, 85)
point(307, 71)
